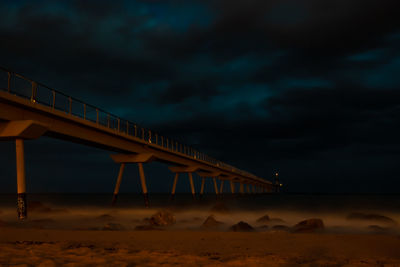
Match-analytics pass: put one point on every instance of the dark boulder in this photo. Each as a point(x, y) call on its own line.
point(162, 218)
point(310, 225)
point(113, 227)
point(358, 216)
point(241, 227)
point(211, 222)
point(263, 219)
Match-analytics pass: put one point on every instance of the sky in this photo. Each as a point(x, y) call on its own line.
point(307, 88)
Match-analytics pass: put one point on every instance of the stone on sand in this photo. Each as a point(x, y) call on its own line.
point(310, 225)
point(162, 218)
point(211, 222)
point(358, 216)
point(113, 227)
point(241, 227)
point(263, 219)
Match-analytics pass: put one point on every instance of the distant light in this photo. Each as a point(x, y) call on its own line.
point(281, 184)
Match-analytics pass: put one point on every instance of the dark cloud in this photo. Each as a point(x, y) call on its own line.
point(308, 87)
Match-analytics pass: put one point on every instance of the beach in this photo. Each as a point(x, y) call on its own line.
point(27, 247)
point(209, 232)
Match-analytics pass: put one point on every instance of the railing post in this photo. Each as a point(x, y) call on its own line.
point(149, 140)
point(119, 122)
point(54, 99)
point(9, 81)
point(127, 127)
point(156, 135)
point(162, 141)
point(84, 111)
point(34, 92)
point(108, 120)
point(70, 105)
point(167, 142)
point(135, 127)
point(97, 115)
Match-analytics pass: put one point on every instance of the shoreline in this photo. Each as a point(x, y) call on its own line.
point(194, 248)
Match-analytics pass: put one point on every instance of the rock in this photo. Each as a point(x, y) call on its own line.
point(280, 227)
point(113, 227)
point(263, 219)
point(371, 217)
point(47, 263)
point(162, 218)
point(220, 207)
point(309, 225)
point(378, 229)
point(105, 217)
point(241, 227)
point(211, 222)
point(145, 228)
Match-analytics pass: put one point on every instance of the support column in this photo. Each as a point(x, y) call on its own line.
point(232, 187)
point(22, 207)
point(215, 186)
point(221, 187)
point(202, 186)
point(241, 188)
point(118, 184)
point(248, 189)
point(143, 182)
point(174, 186)
point(192, 185)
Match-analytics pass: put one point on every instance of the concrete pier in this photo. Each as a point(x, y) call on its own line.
point(22, 207)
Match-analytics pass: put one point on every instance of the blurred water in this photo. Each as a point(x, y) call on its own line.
point(81, 210)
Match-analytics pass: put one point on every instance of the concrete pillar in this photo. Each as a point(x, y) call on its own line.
point(118, 184)
point(192, 185)
point(22, 207)
point(174, 186)
point(248, 189)
point(221, 187)
point(215, 186)
point(202, 186)
point(232, 187)
point(241, 188)
point(143, 182)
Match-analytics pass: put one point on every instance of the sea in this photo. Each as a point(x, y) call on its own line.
point(340, 213)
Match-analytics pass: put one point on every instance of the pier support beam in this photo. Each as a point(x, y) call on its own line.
point(143, 182)
point(21, 181)
point(232, 187)
point(215, 186)
point(221, 187)
point(174, 186)
point(241, 189)
point(202, 187)
point(118, 184)
point(192, 185)
point(248, 189)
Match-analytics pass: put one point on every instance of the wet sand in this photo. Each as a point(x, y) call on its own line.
point(45, 247)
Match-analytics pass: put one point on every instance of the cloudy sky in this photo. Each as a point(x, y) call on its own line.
point(309, 88)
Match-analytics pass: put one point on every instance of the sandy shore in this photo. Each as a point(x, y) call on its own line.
point(39, 247)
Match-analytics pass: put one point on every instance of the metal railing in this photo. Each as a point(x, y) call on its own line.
point(39, 93)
